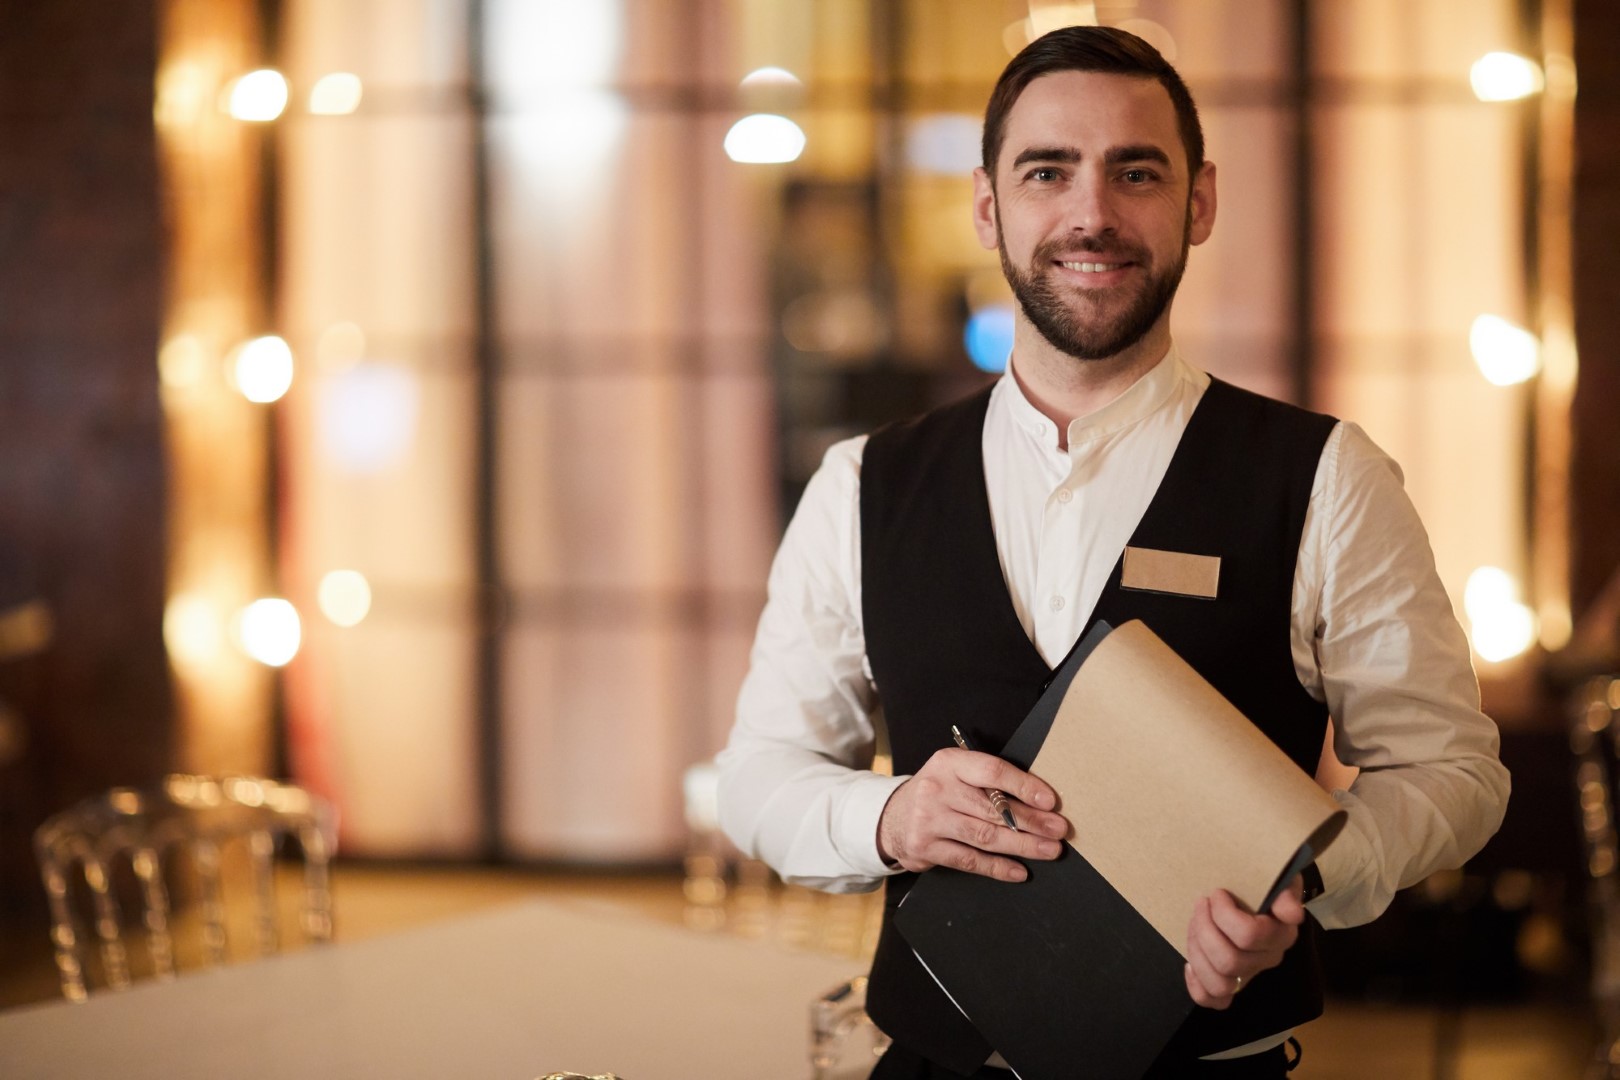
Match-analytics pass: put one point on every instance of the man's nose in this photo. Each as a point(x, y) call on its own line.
point(1090, 208)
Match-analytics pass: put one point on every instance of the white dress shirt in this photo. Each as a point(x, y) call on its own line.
point(1373, 636)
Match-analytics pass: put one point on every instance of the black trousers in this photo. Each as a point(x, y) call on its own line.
point(902, 1064)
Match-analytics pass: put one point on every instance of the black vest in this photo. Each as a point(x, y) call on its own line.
point(946, 646)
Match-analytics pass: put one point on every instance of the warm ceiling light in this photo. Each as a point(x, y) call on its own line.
point(264, 369)
point(1499, 624)
point(269, 631)
point(337, 94)
point(341, 345)
point(344, 597)
point(192, 629)
point(770, 76)
point(182, 362)
point(259, 95)
point(1153, 33)
point(1048, 15)
point(1505, 354)
point(764, 139)
point(1504, 76)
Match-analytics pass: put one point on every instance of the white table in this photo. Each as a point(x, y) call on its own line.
point(513, 993)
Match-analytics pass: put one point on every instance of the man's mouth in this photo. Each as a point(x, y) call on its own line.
point(1092, 267)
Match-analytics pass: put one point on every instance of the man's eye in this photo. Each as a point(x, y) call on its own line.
point(1045, 175)
point(1137, 176)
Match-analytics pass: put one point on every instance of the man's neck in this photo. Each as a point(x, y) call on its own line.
point(1064, 388)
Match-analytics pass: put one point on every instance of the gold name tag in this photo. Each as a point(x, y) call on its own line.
point(1171, 572)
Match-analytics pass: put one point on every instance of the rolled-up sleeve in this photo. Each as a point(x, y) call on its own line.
point(796, 786)
point(1394, 668)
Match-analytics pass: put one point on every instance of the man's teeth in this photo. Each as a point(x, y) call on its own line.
point(1089, 267)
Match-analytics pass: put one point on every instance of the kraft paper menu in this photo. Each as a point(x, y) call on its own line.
point(1172, 792)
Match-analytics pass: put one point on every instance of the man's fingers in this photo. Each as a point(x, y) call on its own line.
point(974, 861)
point(1040, 822)
point(1218, 960)
point(1196, 991)
point(989, 771)
point(993, 836)
point(972, 801)
point(1289, 907)
point(1246, 932)
point(1208, 987)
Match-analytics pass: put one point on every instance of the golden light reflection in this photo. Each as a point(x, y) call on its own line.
point(182, 362)
point(217, 445)
point(263, 369)
point(770, 76)
point(1154, 34)
point(259, 96)
point(337, 94)
point(764, 139)
point(1505, 76)
point(1505, 354)
point(193, 630)
point(341, 345)
point(344, 597)
point(1048, 15)
point(182, 95)
point(1500, 625)
point(269, 631)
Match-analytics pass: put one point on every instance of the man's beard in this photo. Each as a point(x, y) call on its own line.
point(1051, 309)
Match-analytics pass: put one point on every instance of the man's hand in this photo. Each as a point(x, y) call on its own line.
point(942, 817)
point(1226, 946)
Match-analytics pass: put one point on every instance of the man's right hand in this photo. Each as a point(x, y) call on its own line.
point(942, 816)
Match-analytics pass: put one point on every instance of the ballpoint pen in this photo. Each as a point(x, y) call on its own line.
point(997, 799)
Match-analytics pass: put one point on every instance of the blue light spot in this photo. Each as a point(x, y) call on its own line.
point(989, 337)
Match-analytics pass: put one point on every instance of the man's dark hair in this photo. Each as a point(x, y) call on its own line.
point(1089, 48)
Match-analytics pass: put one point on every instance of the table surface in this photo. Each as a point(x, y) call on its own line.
point(512, 993)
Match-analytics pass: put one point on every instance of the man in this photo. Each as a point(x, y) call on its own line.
point(940, 570)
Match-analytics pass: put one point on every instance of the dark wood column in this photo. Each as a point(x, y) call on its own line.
point(1595, 476)
point(84, 697)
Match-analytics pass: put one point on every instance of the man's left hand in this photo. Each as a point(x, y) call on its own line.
point(1227, 947)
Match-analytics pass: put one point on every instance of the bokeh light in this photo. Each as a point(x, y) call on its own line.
point(263, 371)
point(193, 630)
point(344, 597)
point(258, 96)
point(1505, 354)
point(1499, 624)
point(337, 94)
point(1504, 76)
point(764, 139)
point(269, 631)
point(989, 337)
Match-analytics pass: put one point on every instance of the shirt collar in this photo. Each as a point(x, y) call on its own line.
point(1144, 397)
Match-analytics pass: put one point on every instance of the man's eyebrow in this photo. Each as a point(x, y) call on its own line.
point(1066, 155)
point(1119, 155)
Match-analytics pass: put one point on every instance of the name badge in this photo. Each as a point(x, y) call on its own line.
point(1171, 572)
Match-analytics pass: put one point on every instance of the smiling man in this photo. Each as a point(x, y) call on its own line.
point(936, 573)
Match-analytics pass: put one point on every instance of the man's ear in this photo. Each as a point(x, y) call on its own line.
point(984, 210)
point(1202, 209)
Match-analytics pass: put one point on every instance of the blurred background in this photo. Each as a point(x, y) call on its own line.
point(405, 397)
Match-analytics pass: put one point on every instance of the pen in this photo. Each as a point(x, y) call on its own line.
point(997, 799)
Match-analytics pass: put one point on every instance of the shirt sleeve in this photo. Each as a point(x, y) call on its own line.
point(796, 786)
point(1394, 668)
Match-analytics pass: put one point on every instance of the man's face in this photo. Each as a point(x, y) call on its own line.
point(1093, 210)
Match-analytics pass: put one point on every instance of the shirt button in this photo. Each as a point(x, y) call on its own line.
point(1064, 495)
point(1057, 603)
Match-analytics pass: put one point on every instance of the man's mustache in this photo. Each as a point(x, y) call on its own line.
point(1050, 250)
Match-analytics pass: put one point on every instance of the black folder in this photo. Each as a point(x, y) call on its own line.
point(1060, 973)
